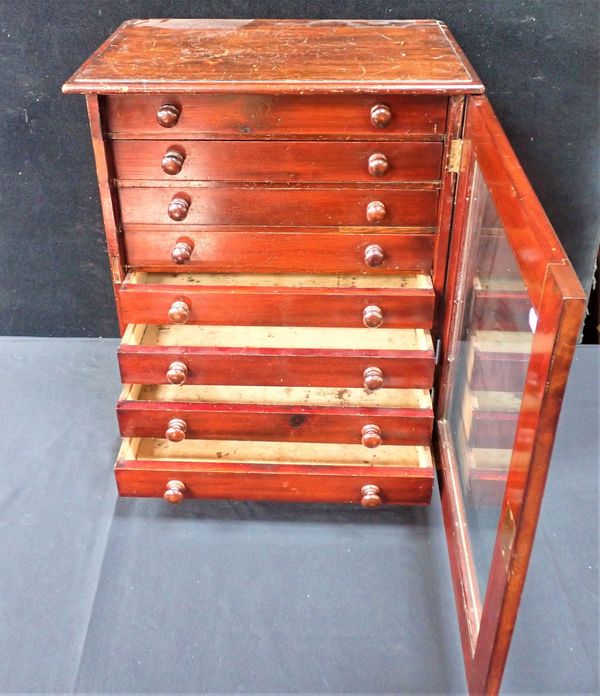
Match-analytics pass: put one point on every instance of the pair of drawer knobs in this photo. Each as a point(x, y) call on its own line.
point(168, 115)
point(177, 429)
point(179, 207)
point(179, 313)
point(172, 163)
point(177, 374)
point(182, 252)
point(370, 494)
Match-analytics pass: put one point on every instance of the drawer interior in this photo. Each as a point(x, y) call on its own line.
point(409, 281)
point(273, 453)
point(277, 337)
point(278, 396)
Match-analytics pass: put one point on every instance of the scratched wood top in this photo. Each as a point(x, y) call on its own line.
point(277, 57)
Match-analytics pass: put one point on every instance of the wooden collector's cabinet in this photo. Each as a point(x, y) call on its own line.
point(333, 280)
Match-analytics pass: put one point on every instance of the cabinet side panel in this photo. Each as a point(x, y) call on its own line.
point(108, 198)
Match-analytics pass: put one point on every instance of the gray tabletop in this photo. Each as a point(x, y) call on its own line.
point(105, 595)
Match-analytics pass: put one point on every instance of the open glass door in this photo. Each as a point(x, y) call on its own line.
point(515, 312)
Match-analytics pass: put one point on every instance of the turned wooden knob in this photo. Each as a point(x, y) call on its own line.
point(172, 162)
point(167, 115)
point(178, 209)
point(373, 378)
point(374, 255)
point(376, 211)
point(372, 316)
point(378, 164)
point(179, 312)
point(371, 496)
point(174, 492)
point(182, 251)
point(381, 115)
point(176, 429)
point(177, 372)
point(371, 436)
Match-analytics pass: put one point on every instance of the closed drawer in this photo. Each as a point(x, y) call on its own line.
point(275, 356)
point(288, 472)
point(237, 205)
point(399, 301)
point(284, 249)
point(289, 414)
point(279, 117)
point(277, 161)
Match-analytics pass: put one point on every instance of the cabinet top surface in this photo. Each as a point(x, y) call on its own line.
point(277, 57)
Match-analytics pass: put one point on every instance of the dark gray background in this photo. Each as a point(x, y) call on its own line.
point(104, 595)
point(538, 59)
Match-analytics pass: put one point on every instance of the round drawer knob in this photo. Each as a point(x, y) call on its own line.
point(373, 378)
point(178, 209)
point(371, 496)
point(179, 312)
point(372, 316)
point(371, 436)
point(167, 115)
point(374, 255)
point(172, 162)
point(174, 492)
point(381, 115)
point(182, 252)
point(177, 372)
point(378, 164)
point(176, 429)
point(376, 211)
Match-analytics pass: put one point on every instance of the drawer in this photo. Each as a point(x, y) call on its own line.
point(490, 418)
point(353, 162)
point(284, 249)
point(289, 414)
point(275, 356)
point(500, 304)
point(247, 205)
point(403, 301)
point(202, 116)
point(396, 474)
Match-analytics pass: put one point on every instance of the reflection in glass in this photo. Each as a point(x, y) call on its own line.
point(488, 375)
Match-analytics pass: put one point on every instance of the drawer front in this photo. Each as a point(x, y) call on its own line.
point(207, 116)
point(230, 205)
point(399, 307)
point(272, 422)
point(279, 367)
point(321, 485)
point(369, 162)
point(284, 250)
point(308, 472)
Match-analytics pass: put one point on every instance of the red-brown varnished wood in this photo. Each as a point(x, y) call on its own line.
point(277, 56)
point(277, 161)
point(148, 303)
point(108, 198)
point(239, 421)
point(286, 483)
point(284, 249)
point(499, 371)
point(230, 205)
point(277, 117)
point(559, 301)
point(277, 367)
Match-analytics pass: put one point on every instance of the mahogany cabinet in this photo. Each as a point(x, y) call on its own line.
point(334, 283)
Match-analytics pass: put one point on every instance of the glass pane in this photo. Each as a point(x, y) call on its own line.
point(488, 374)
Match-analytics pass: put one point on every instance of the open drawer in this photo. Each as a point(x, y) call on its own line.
point(292, 414)
point(277, 300)
point(275, 356)
point(290, 472)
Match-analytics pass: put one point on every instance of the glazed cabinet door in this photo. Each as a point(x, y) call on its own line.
point(515, 312)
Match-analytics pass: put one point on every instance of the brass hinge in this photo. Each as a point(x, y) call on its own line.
point(455, 156)
point(115, 267)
